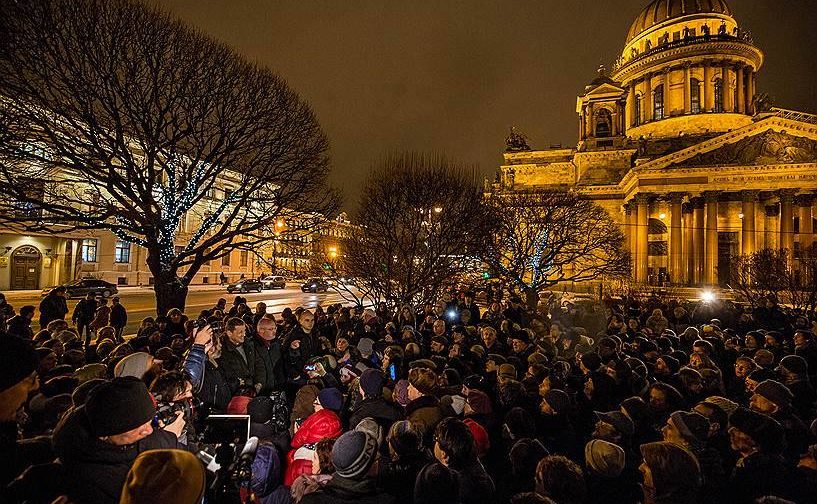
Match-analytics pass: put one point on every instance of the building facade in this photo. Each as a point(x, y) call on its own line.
point(682, 151)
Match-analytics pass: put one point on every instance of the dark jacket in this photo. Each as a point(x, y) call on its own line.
point(425, 413)
point(238, 369)
point(52, 307)
point(385, 414)
point(397, 477)
point(94, 470)
point(119, 316)
point(269, 365)
point(757, 475)
point(342, 490)
point(209, 383)
point(296, 359)
point(84, 311)
point(476, 487)
point(21, 327)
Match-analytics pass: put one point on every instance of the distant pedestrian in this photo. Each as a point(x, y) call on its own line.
point(222, 278)
point(119, 317)
point(54, 306)
point(84, 314)
point(101, 318)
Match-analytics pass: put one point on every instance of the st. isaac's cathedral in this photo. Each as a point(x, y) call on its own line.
point(678, 145)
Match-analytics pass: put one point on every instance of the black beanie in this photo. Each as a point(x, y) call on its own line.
point(119, 406)
point(18, 360)
point(371, 381)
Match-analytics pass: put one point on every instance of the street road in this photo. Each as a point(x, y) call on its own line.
point(140, 302)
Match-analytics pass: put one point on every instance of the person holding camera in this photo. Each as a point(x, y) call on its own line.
point(98, 442)
point(173, 393)
point(201, 364)
point(237, 359)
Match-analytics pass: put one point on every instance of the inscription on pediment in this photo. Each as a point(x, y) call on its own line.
point(769, 147)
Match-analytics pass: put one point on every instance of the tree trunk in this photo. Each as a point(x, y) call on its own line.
point(170, 290)
point(532, 299)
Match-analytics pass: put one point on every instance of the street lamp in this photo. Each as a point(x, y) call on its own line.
point(438, 209)
point(333, 252)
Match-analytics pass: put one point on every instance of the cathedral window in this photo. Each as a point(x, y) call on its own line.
point(604, 123)
point(718, 95)
point(658, 103)
point(637, 111)
point(695, 96)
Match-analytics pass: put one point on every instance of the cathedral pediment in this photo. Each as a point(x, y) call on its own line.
point(604, 90)
point(767, 148)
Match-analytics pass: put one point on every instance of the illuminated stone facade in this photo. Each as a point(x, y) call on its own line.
point(680, 148)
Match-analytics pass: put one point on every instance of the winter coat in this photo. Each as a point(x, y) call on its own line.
point(265, 482)
point(101, 319)
point(425, 413)
point(476, 486)
point(119, 316)
point(397, 477)
point(319, 425)
point(52, 307)
point(269, 365)
point(239, 370)
point(207, 379)
point(757, 475)
point(384, 413)
point(306, 484)
point(296, 359)
point(342, 490)
point(20, 326)
point(95, 470)
point(85, 311)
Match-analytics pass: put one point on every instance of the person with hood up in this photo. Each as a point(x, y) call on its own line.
point(323, 423)
point(97, 443)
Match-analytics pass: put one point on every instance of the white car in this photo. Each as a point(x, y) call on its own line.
point(274, 282)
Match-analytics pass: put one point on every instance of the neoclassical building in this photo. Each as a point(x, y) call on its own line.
point(682, 150)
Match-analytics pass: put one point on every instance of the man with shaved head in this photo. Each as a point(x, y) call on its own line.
point(269, 364)
point(300, 345)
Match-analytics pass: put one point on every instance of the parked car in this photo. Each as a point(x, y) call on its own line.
point(274, 282)
point(315, 285)
point(81, 288)
point(245, 285)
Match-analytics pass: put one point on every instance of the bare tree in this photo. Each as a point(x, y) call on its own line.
point(544, 238)
point(758, 275)
point(421, 218)
point(116, 116)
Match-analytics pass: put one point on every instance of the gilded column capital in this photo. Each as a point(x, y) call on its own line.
point(786, 195)
point(676, 197)
point(642, 198)
point(749, 195)
point(711, 196)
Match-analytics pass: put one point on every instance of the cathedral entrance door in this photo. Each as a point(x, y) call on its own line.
point(25, 268)
point(727, 248)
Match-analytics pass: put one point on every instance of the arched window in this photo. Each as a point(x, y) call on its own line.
point(658, 103)
point(695, 96)
point(604, 124)
point(637, 111)
point(718, 95)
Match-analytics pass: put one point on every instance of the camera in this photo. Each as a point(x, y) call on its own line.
point(166, 412)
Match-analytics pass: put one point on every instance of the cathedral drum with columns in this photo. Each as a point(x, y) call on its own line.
point(681, 149)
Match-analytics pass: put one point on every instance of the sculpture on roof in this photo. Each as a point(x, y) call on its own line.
point(516, 141)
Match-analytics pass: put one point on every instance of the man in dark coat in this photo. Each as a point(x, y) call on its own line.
point(269, 365)
point(84, 313)
point(6, 311)
point(20, 325)
point(300, 345)
point(237, 360)
point(373, 405)
point(53, 306)
point(98, 442)
point(119, 316)
point(454, 447)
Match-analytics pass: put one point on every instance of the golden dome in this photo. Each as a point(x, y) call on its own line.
point(659, 11)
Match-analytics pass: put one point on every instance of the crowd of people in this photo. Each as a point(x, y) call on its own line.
point(623, 400)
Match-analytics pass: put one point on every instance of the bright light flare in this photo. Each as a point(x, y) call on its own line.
point(707, 296)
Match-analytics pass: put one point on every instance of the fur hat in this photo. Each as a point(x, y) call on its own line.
point(164, 476)
point(604, 458)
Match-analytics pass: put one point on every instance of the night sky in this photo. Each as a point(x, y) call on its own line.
point(452, 76)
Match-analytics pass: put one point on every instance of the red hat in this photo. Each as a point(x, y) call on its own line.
point(481, 438)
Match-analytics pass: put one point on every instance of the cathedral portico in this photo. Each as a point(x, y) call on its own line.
point(677, 146)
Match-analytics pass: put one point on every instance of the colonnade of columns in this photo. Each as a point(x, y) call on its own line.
point(693, 229)
point(736, 99)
